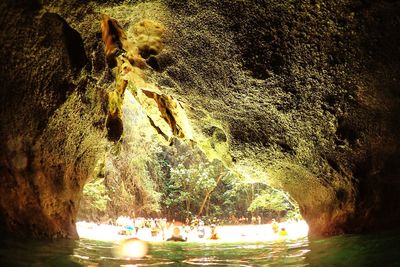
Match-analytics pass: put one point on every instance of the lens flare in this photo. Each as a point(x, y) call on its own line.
point(131, 248)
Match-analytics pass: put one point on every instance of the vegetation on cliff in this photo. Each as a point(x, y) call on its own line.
point(142, 176)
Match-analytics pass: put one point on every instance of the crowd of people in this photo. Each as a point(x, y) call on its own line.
point(163, 229)
point(133, 234)
point(191, 229)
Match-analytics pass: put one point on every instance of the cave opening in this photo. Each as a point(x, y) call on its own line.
point(158, 168)
point(146, 179)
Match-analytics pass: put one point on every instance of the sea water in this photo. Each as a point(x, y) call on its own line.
point(381, 249)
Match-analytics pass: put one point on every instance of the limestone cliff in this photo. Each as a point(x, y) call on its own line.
point(50, 120)
point(302, 94)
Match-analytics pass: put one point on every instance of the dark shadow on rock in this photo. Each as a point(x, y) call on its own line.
point(115, 128)
point(71, 38)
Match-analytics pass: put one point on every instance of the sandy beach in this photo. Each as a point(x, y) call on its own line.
point(226, 233)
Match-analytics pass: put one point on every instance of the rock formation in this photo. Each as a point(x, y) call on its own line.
point(301, 94)
point(50, 115)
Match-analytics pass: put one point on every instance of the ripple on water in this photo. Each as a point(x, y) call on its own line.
point(371, 250)
point(214, 261)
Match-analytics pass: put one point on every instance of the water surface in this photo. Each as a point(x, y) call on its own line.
point(348, 250)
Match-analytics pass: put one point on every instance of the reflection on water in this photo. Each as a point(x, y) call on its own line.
point(351, 250)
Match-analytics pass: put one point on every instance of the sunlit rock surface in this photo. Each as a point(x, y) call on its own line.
point(303, 95)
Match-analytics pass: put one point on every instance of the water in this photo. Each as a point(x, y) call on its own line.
point(350, 250)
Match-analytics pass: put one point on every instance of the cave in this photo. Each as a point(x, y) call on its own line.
point(305, 94)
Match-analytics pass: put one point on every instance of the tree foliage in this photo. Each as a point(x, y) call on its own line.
point(190, 178)
point(96, 193)
point(271, 200)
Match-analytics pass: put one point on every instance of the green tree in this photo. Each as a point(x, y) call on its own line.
point(94, 200)
point(270, 200)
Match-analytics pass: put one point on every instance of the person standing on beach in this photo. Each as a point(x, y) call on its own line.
point(274, 226)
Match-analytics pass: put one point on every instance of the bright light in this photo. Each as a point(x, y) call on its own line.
point(132, 248)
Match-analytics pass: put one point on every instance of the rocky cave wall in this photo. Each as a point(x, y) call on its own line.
point(51, 121)
point(301, 94)
point(304, 94)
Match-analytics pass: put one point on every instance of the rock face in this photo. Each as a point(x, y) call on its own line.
point(48, 122)
point(301, 94)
